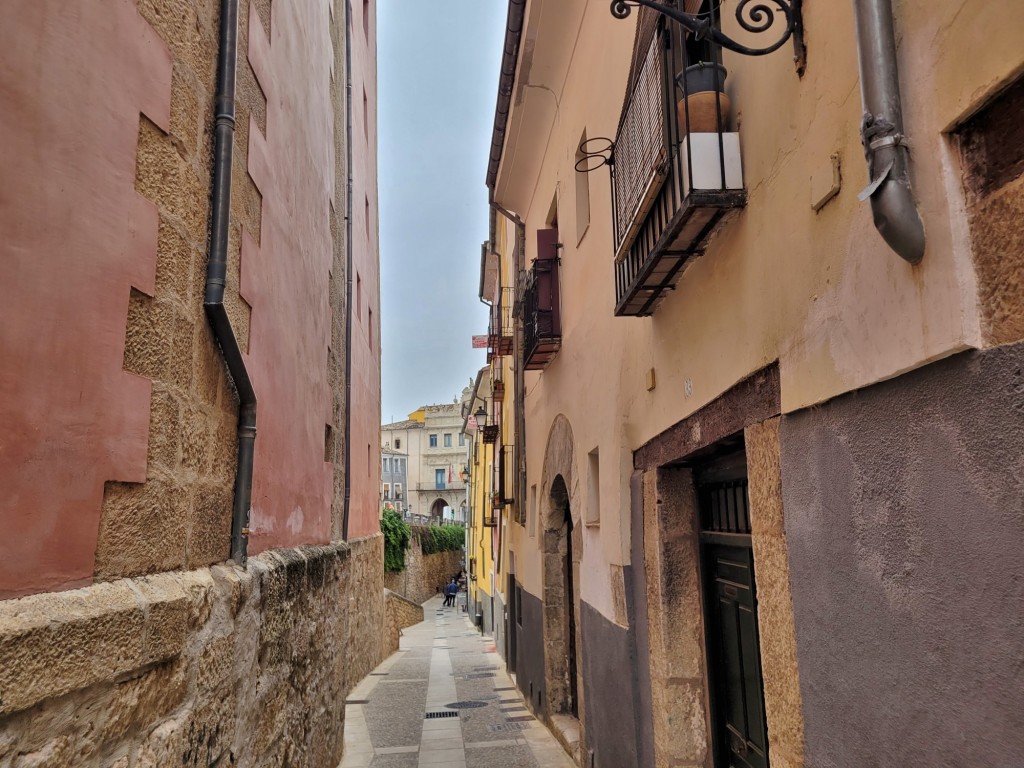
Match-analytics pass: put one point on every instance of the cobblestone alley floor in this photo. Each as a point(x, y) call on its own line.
point(444, 666)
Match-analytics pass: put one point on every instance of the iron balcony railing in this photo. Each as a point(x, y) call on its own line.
point(454, 485)
point(542, 312)
point(675, 168)
point(499, 331)
point(503, 474)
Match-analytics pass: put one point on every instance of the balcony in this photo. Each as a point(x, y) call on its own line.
point(499, 331)
point(503, 477)
point(490, 433)
point(542, 315)
point(676, 169)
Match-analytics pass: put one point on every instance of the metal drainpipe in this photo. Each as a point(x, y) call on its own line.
point(885, 145)
point(348, 271)
point(519, 383)
point(216, 273)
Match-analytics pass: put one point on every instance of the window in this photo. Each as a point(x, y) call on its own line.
point(439, 479)
point(398, 490)
point(387, 464)
point(593, 511)
point(398, 443)
point(387, 490)
point(433, 441)
point(582, 190)
point(462, 439)
point(447, 440)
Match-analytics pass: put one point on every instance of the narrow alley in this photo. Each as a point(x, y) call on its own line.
point(681, 342)
point(444, 699)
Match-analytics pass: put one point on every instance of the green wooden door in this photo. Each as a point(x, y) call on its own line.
point(730, 591)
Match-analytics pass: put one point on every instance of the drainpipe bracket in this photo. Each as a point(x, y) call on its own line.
point(893, 140)
point(873, 187)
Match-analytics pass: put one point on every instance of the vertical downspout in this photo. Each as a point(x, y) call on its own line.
point(348, 271)
point(519, 392)
point(885, 145)
point(216, 274)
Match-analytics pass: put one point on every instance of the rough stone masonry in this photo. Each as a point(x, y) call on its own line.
point(216, 666)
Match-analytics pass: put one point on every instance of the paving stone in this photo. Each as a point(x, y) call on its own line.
point(443, 663)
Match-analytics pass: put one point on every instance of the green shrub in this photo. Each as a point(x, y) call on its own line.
point(396, 540)
point(440, 538)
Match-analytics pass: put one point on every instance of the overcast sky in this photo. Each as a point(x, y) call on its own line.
point(437, 84)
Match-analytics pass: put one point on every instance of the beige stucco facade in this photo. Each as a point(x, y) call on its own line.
point(432, 437)
point(807, 291)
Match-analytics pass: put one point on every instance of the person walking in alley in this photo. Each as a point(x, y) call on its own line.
point(449, 593)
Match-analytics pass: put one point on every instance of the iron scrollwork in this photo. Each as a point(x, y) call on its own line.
point(756, 16)
point(595, 153)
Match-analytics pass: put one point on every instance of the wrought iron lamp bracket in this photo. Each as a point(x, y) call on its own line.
point(755, 16)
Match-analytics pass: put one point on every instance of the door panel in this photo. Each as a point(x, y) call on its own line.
point(740, 731)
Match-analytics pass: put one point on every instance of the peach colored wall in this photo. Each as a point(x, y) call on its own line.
point(76, 237)
point(365, 505)
point(821, 294)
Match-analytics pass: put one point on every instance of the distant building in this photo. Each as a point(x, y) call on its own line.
point(393, 474)
point(435, 445)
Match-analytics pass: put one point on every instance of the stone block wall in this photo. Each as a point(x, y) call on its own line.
point(216, 666)
point(423, 574)
point(399, 614)
point(190, 462)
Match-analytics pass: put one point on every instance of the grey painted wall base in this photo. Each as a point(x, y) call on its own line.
point(530, 652)
point(904, 507)
point(498, 620)
point(609, 679)
point(486, 610)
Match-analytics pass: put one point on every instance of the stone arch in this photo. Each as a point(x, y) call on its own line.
point(437, 507)
point(563, 550)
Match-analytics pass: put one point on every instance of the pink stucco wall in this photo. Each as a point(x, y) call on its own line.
point(74, 238)
point(364, 514)
point(285, 278)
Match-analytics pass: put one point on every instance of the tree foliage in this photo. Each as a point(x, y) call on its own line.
point(440, 538)
point(396, 540)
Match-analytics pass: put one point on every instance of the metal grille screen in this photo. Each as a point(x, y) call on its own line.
point(640, 145)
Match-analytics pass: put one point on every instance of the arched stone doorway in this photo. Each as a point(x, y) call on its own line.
point(437, 509)
point(563, 550)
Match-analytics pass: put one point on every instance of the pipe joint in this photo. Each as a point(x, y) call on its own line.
point(886, 148)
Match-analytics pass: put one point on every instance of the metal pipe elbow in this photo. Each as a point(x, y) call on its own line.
point(897, 219)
